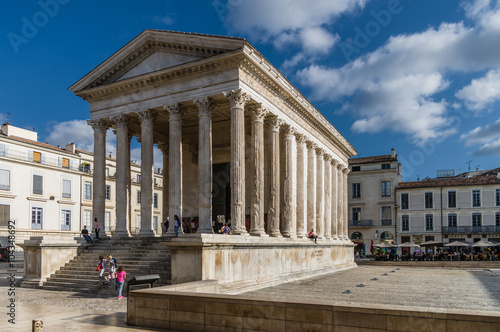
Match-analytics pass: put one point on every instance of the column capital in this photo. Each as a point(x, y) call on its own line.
point(311, 145)
point(327, 157)
point(237, 98)
point(288, 130)
point(205, 106)
point(274, 123)
point(301, 139)
point(100, 125)
point(345, 170)
point(163, 147)
point(257, 112)
point(147, 117)
point(319, 151)
point(334, 162)
point(175, 111)
point(340, 166)
point(121, 121)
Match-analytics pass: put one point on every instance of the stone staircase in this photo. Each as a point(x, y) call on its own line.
point(139, 256)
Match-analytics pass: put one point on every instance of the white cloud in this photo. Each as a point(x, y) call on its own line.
point(489, 149)
point(395, 87)
point(481, 92)
point(488, 137)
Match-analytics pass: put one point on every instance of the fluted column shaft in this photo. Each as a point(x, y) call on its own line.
point(257, 172)
point(147, 119)
point(205, 107)
point(334, 200)
point(311, 187)
point(301, 186)
point(165, 194)
point(273, 215)
point(174, 166)
point(122, 175)
point(328, 187)
point(99, 177)
point(340, 203)
point(320, 215)
point(289, 222)
point(237, 99)
point(345, 215)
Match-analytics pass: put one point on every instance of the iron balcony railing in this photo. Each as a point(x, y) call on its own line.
point(360, 223)
point(471, 229)
point(387, 222)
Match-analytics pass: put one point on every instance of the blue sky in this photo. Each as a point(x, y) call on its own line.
point(422, 77)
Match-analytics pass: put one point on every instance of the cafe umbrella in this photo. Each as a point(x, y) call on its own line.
point(456, 244)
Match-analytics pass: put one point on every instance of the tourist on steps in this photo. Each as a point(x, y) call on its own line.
point(101, 267)
point(97, 228)
point(121, 275)
point(312, 236)
point(112, 269)
point(177, 224)
point(85, 234)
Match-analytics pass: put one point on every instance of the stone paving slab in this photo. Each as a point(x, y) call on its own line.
point(466, 289)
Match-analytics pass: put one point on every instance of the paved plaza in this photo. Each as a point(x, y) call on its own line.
point(469, 289)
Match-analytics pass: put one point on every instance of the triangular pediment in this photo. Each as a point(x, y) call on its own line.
point(155, 50)
point(157, 61)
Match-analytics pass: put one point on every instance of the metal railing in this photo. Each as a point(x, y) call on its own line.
point(360, 223)
point(471, 229)
point(387, 222)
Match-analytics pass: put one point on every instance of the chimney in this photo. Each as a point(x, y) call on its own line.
point(70, 147)
point(393, 154)
point(111, 154)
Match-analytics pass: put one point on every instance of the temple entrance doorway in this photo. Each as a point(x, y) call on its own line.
point(221, 193)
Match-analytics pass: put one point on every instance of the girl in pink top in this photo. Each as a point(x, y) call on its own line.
point(121, 275)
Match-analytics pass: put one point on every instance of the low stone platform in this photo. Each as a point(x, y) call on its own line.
point(439, 264)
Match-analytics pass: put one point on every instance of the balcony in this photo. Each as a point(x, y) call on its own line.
point(386, 222)
point(471, 229)
point(360, 223)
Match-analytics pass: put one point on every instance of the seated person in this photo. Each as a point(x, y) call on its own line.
point(225, 229)
point(85, 234)
point(311, 235)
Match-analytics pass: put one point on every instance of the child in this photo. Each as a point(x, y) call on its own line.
point(101, 267)
point(121, 275)
point(111, 271)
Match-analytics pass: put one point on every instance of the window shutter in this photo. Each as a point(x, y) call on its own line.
point(38, 184)
point(70, 164)
point(30, 155)
point(66, 189)
point(4, 179)
point(42, 158)
point(2, 150)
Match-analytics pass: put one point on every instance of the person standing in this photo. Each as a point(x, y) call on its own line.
point(97, 228)
point(165, 225)
point(121, 275)
point(101, 267)
point(177, 224)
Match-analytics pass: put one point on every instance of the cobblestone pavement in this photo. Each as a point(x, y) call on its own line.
point(422, 287)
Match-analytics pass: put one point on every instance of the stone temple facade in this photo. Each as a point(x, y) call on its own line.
point(237, 140)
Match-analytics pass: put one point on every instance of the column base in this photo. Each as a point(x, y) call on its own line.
point(258, 232)
point(146, 233)
point(121, 233)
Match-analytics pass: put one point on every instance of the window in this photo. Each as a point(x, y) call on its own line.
point(4, 215)
point(428, 201)
point(405, 223)
point(356, 213)
point(356, 168)
point(66, 193)
point(476, 198)
point(138, 178)
point(497, 218)
point(37, 185)
point(452, 199)
point(429, 222)
point(138, 197)
point(476, 220)
point(452, 220)
point(108, 192)
point(386, 166)
point(36, 217)
point(386, 216)
point(404, 202)
point(88, 190)
point(4, 179)
point(386, 188)
point(155, 223)
point(37, 157)
point(107, 218)
point(107, 172)
point(65, 163)
point(87, 218)
point(155, 201)
point(356, 190)
point(498, 197)
point(138, 225)
point(65, 220)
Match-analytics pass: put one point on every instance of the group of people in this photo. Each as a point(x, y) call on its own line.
point(118, 275)
point(97, 229)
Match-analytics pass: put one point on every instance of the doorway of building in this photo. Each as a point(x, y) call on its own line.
point(357, 238)
point(221, 192)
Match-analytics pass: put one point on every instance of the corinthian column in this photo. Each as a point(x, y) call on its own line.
point(289, 222)
point(237, 99)
point(99, 177)
point(257, 172)
point(340, 203)
point(165, 193)
point(301, 186)
point(334, 200)
point(174, 166)
point(205, 107)
point(320, 203)
point(273, 215)
point(311, 186)
point(345, 219)
point(122, 174)
point(147, 118)
point(328, 187)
